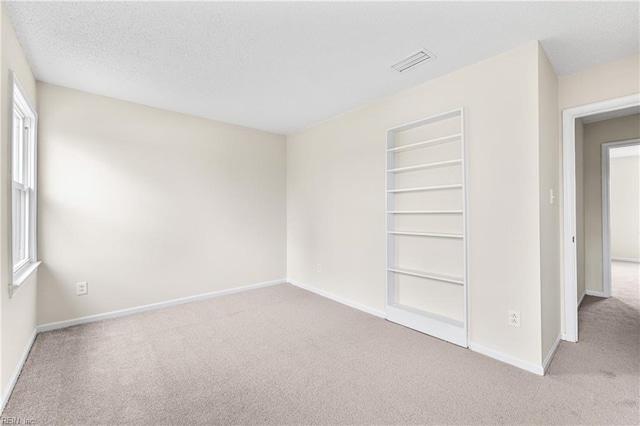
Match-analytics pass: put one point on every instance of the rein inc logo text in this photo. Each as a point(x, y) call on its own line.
point(17, 421)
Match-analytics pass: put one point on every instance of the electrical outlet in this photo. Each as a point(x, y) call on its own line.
point(514, 318)
point(319, 268)
point(82, 288)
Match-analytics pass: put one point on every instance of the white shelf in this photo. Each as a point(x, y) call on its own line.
point(423, 144)
point(428, 120)
point(429, 275)
point(439, 326)
point(438, 317)
point(426, 188)
point(426, 212)
point(425, 166)
point(426, 234)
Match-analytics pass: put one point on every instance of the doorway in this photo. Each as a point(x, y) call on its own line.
point(571, 237)
point(620, 234)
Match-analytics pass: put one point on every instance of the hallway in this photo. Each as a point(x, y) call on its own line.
point(609, 344)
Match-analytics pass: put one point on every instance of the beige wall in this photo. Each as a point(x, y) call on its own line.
point(624, 205)
point(607, 81)
point(549, 165)
point(595, 134)
point(149, 205)
point(580, 207)
point(336, 203)
point(17, 314)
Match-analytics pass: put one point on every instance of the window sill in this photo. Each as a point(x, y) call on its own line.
point(21, 276)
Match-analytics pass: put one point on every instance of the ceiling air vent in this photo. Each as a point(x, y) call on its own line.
point(417, 58)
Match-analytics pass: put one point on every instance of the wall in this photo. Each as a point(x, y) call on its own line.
point(580, 246)
point(624, 205)
point(595, 134)
point(549, 165)
point(17, 314)
point(336, 197)
point(607, 81)
point(149, 205)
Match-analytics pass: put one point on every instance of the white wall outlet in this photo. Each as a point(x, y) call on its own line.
point(82, 288)
point(319, 268)
point(514, 318)
point(552, 197)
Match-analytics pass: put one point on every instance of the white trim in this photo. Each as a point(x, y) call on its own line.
point(595, 293)
point(422, 121)
point(552, 352)
point(569, 257)
point(508, 359)
point(632, 151)
point(124, 312)
point(6, 394)
point(339, 299)
point(465, 218)
point(606, 222)
point(390, 205)
point(625, 259)
point(22, 275)
point(606, 209)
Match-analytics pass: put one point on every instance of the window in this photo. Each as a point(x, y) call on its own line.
point(23, 193)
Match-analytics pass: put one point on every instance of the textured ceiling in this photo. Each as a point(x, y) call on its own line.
point(283, 66)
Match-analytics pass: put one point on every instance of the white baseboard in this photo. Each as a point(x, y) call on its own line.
point(596, 293)
point(626, 259)
point(551, 353)
point(339, 299)
point(14, 377)
point(508, 359)
point(123, 312)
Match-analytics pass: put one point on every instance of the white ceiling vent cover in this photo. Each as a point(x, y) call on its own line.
point(417, 58)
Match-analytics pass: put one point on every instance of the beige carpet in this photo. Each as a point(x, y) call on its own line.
point(282, 355)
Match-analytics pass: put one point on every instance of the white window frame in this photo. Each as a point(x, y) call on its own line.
point(20, 105)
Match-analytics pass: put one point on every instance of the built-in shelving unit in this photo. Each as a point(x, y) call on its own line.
point(426, 226)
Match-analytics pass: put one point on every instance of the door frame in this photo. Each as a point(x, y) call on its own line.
point(606, 211)
point(569, 255)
